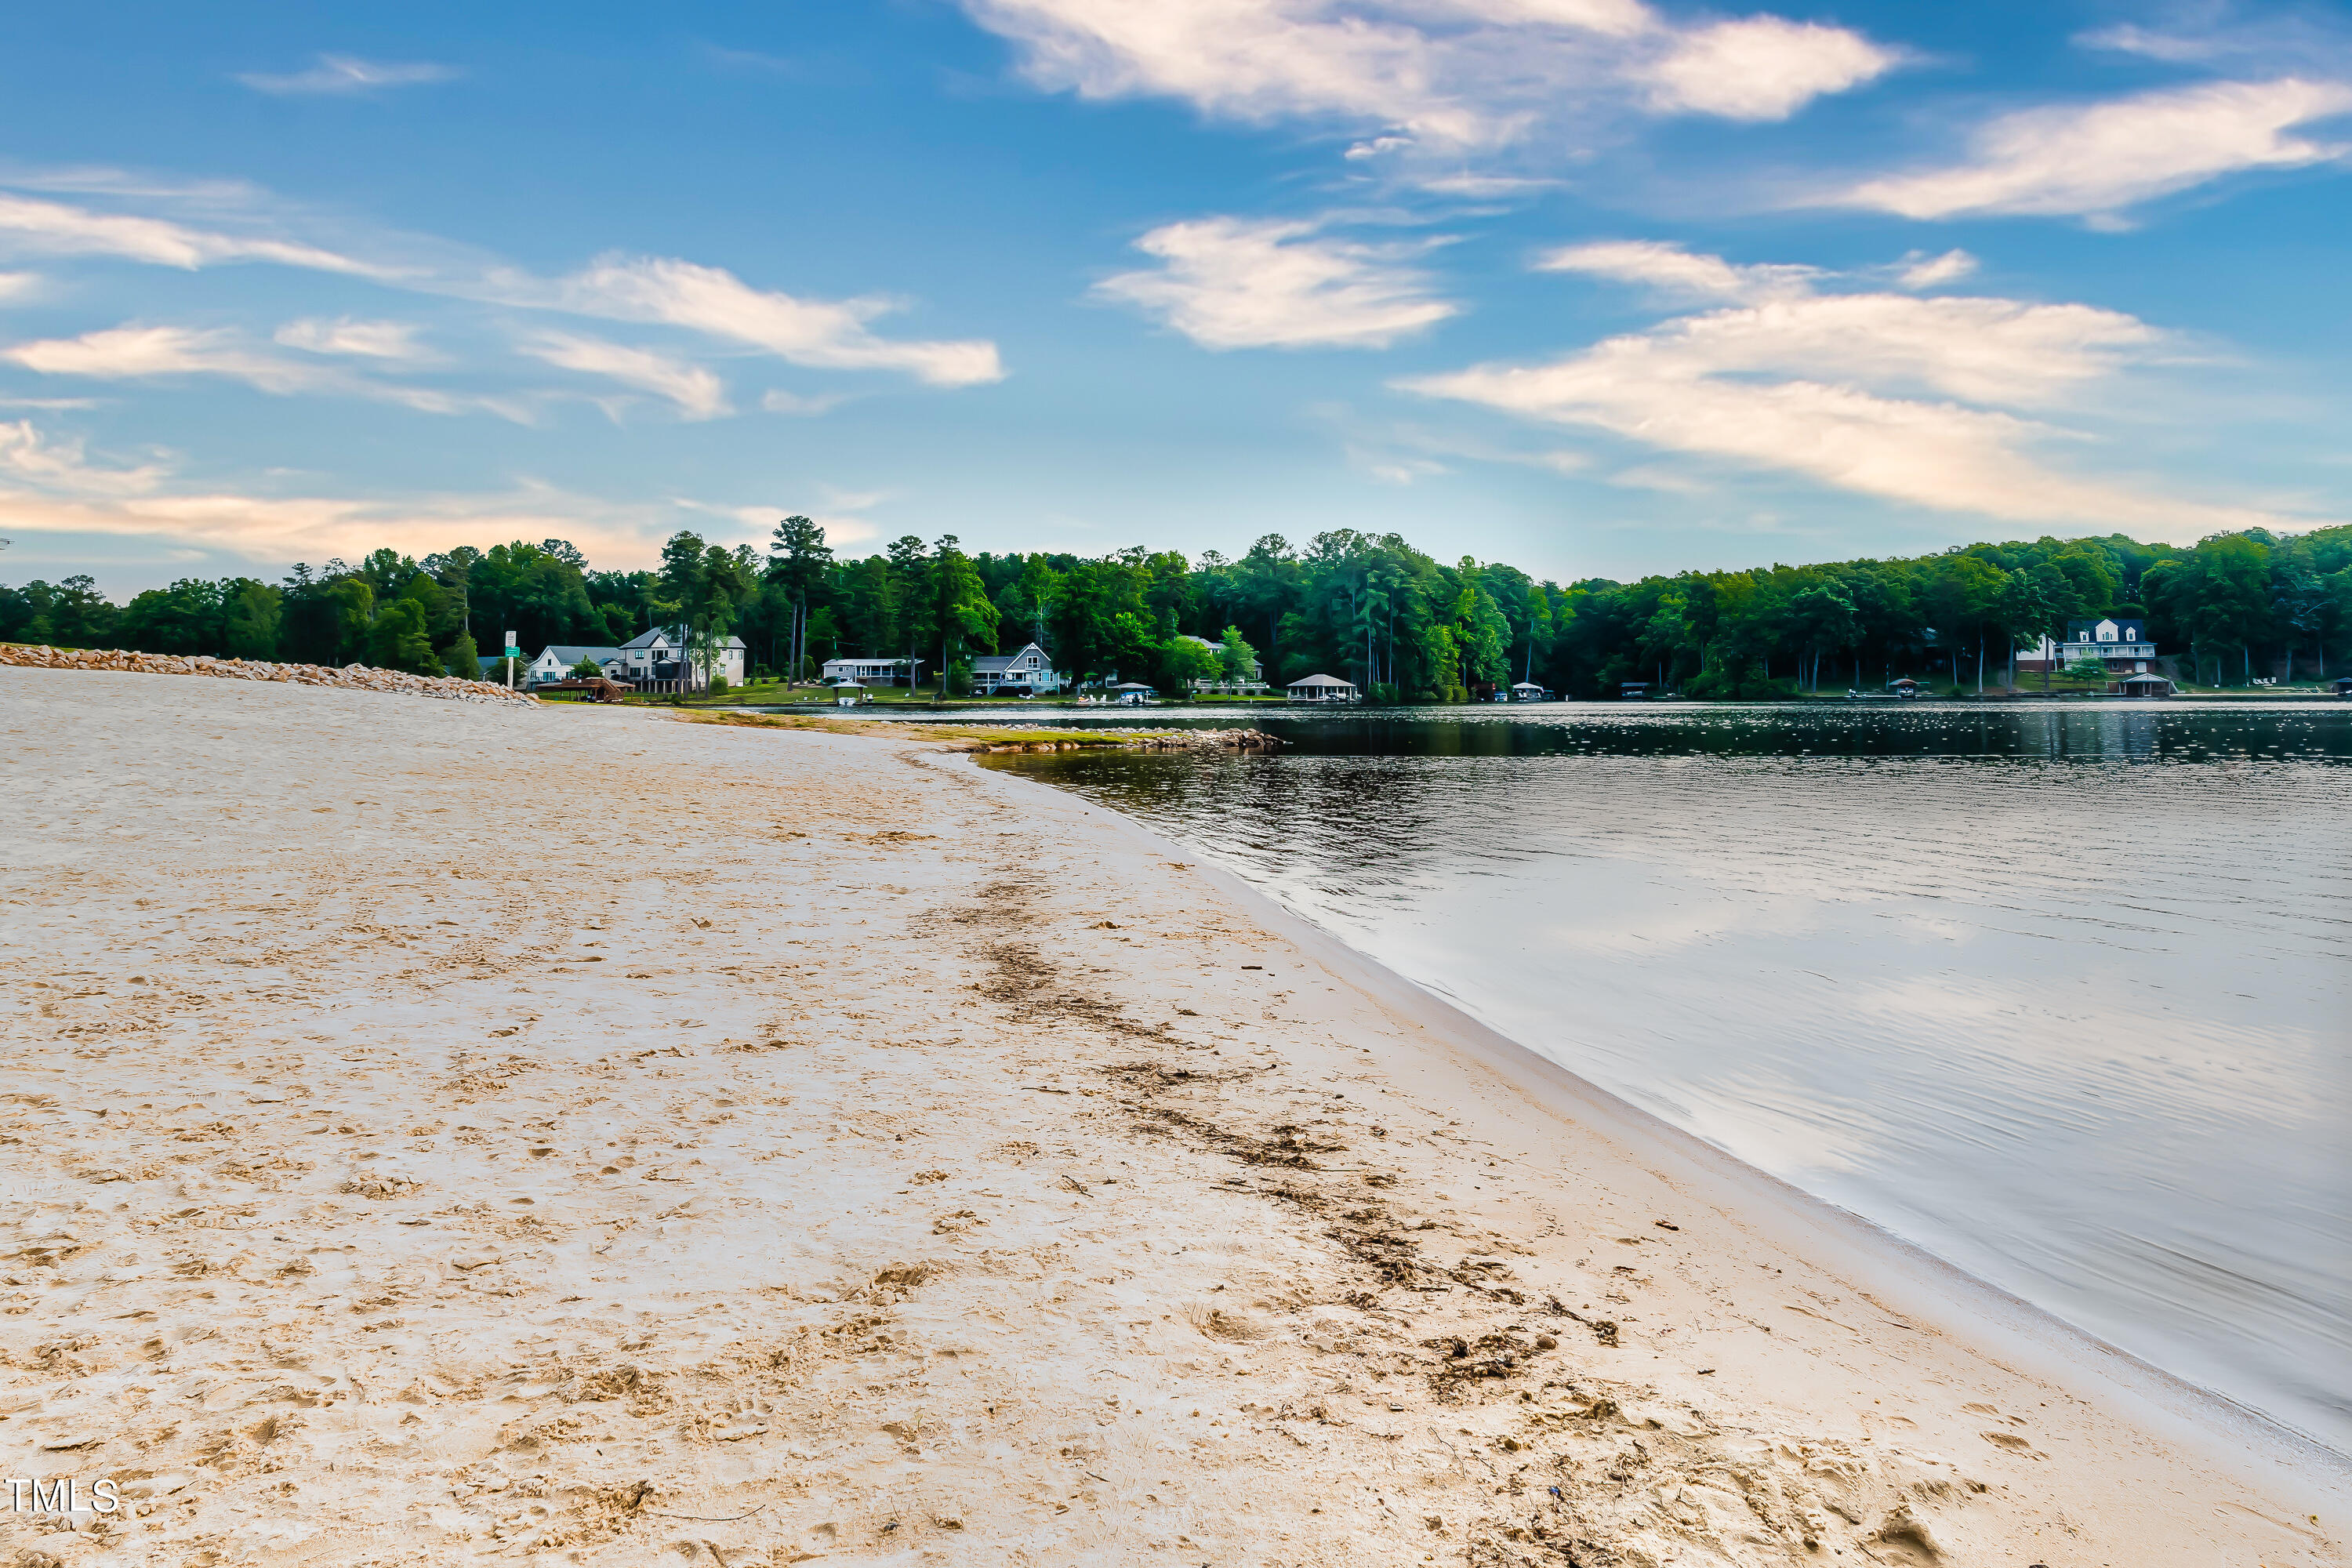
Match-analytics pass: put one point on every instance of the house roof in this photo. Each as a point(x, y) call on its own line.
point(2144, 678)
point(677, 635)
point(572, 653)
point(1320, 680)
point(999, 662)
point(2128, 627)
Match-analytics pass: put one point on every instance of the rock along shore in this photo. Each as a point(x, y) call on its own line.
point(356, 676)
point(1202, 740)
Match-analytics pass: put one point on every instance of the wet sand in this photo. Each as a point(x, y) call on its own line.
point(439, 1132)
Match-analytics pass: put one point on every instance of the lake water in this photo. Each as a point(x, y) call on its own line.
point(2058, 993)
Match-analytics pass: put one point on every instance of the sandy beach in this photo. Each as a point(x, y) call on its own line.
point(439, 1132)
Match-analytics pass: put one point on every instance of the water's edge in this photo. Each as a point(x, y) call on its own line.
point(2010, 1328)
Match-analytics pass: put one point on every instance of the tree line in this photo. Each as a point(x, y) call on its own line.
point(1372, 609)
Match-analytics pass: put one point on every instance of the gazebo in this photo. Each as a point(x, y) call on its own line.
point(1133, 693)
point(1528, 691)
point(848, 694)
point(2147, 684)
point(1321, 688)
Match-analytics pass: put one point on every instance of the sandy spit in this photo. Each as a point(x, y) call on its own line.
point(439, 1133)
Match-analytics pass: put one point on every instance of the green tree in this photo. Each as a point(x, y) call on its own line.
point(1236, 659)
point(957, 609)
point(350, 607)
point(250, 620)
point(397, 640)
point(802, 562)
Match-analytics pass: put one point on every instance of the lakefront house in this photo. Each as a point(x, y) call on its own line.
point(664, 655)
point(2119, 642)
point(872, 671)
point(1252, 680)
point(1024, 672)
point(556, 661)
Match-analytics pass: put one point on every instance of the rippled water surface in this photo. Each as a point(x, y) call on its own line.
point(2060, 993)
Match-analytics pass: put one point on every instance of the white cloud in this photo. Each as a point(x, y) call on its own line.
point(1671, 269)
point(1447, 75)
point(18, 287)
point(1922, 271)
point(698, 393)
point(347, 74)
point(1764, 67)
point(1908, 399)
point(359, 339)
point(26, 455)
point(1230, 283)
point(54, 229)
point(830, 334)
point(132, 352)
point(2096, 159)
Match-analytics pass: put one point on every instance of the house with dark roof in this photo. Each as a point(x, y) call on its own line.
point(2119, 642)
point(666, 654)
point(557, 660)
point(1024, 672)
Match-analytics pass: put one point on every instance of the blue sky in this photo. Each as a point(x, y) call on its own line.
point(1597, 287)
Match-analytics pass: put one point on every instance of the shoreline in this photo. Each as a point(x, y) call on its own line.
point(2229, 1430)
point(479, 1131)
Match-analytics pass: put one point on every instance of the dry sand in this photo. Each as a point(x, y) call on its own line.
point(434, 1134)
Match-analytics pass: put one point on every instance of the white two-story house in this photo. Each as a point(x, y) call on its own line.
point(1024, 672)
point(2121, 643)
point(663, 655)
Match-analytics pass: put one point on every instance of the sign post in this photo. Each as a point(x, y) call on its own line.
point(513, 653)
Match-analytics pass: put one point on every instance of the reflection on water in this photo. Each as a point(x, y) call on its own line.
point(2059, 994)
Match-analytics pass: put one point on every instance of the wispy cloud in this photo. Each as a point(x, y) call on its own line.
point(828, 335)
point(1937, 402)
point(698, 393)
point(1670, 270)
point(57, 229)
point(345, 75)
point(1442, 75)
point(2094, 160)
point(1921, 271)
point(27, 456)
point(134, 352)
point(359, 339)
point(16, 288)
point(1232, 283)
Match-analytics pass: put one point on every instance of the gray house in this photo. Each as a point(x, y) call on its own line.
point(1024, 672)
